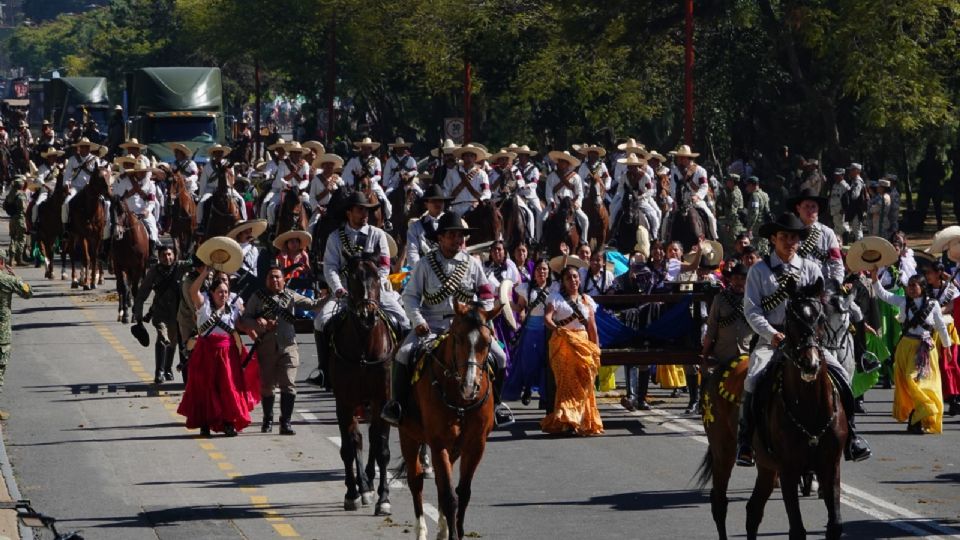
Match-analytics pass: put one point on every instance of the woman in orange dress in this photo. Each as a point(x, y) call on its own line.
point(574, 354)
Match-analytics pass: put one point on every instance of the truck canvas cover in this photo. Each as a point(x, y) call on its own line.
point(164, 89)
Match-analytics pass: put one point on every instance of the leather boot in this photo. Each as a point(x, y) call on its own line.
point(643, 385)
point(286, 413)
point(693, 388)
point(502, 415)
point(267, 403)
point(159, 356)
point(322, 377)
point(745, 431)
point(168, 353)
point(399, 390)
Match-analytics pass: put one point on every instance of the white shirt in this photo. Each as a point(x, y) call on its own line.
point(190, 172)
point(354, 169)
point(478, 181)
point(697, 185)
point(601, 283)
point(299, 177)
point(934, 319)
point(555, 191)
point(601, 169)
point(320, 193)
point(562, 310)
point(78, 170)
point(207, 186)
point(230, 315)
point(501, 180)
point(138, 204)
point(406, 165)
point(530, 293)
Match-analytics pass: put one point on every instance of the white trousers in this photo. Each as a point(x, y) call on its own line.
point(763, 353)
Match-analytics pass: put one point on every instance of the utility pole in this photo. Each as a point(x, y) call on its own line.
point(467, 91)
point(331, 86)
point(256, 113)
point(688, 77)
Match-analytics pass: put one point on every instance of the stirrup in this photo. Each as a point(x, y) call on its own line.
point(392, 412)
point(502, 415)
point(745, 457)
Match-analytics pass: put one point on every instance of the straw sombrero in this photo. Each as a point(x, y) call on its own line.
point(328, 158)
point(448, 147)
point(366, 141)
point(653, 154)
point(51, 152)
point(519, 150)
point(871, 252)
point(316, 146)
point(218, 147)
point(399, 143)
point(133, 143)
point(125, 162)
point(278, 145)
point(304, 237)
point(558, 263)
point(221, 253)
point(392, 248)
point(684, 151)
point(587, 148)
point(503, 153)
point(632, 147)
point(557, 155)
point(946, 240)
point(711, 254)
point(474, 149)
point(258, 226)
point(292, 147)
point(181, 147)
point(504, 292)
point(86, 142)
point(632, 159)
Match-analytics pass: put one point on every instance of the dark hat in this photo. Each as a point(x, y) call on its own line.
point(806, 195)
point(435, 193)
point(926, 261)
point(140, 332)
point(357, 198)
point(787, 221)
point(451, 221)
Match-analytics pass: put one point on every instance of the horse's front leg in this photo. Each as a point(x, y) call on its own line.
point(347, 424)
point(409, 447)
point(446, 497)
point(723, 461)
point(380, 447)
point(829, 476)
point(469, 461)
point(790, 488)
point(762, 489)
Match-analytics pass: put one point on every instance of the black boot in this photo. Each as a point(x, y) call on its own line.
point(169, 352)
point(745, 431)
point(159, 355)
point(643, 385)
point(502, 414)
point(322, 377)
point(693, 387)
point(286, 413)
point(267, 403)
point(399, 389)
point(857, 449)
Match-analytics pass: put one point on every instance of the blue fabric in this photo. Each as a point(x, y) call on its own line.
point(673, 323)
point(611, 331)
point(620, 262)
point(529, 359)
point(305, 313)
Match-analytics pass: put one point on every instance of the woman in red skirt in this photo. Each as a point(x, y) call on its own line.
point(220, 391)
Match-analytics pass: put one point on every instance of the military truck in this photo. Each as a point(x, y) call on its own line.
point(176, 104)
point(62, 98)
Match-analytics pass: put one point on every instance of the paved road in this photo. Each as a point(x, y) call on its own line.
point(93, 444)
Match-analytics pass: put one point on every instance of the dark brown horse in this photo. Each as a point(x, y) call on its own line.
point(597, 213)
point(291, 214)
point(331, 219)
point(685, 225)
point(406, 206)
point(183, 215)
point(629, 220)
point(561, 227)
point(221, 213)
point(87, 219)
point(49, 226)
point(514, 223)
point(361, 350)
point(486, 219)
point(452, 413)
point(130, 247)
point(803, 427)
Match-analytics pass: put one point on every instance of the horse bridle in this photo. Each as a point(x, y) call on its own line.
point(366, 311)
point(452, 373)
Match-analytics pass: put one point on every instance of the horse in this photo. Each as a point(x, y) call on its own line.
point(131, 249)
point(452, 412)
point(291, 213)
point(50, 228)
point(561, 227)
point(597, 214)
point(685, 225)
point(87, 219)
point(375, 216)
point(183, 215)
point(630, 219)
point(222, 213)
point(802, 429)
point(486, 219)
point(514, 223)
point(361, 350)
point(406, 206)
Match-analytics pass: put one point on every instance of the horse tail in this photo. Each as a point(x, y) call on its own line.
point(704, 473)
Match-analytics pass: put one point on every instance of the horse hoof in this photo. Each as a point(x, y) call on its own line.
point(86, 287)
point(428, 472)
point(125, 319)
point(63, 276)
point(351, 504)
point(383, 509)
point(74, 284)
point(119, 317)
point(366, 498)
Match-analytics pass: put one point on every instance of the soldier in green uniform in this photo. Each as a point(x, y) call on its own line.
point(163, 280)
point(778, 195)
point(15, 205)
point(729, 206)
point(757, 206)
point(9, 284)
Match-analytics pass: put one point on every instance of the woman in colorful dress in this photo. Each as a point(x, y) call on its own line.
point(529, 352)
point(917, 397)
point(574, 355)
point(941, 290)
point(292, 257)
point(677, 268)
point(521, 258)
point(894, 279)
point(220, 391)
point(498, 269)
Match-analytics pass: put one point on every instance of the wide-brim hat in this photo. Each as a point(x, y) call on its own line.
point(51, 151)
point(392, 248)
point(221, 253)
point(806, 194)
point(281, 241)
point(711, 254)
point(357, 198)
point(86, 142)
point(653, 154)
point(367, 141)
point(585, 149)
point(631, 145)
point(181, 147)
point(474, 149)
point(399, 143)
point(787, 221)
point(133, 143)
point(504, 292)
point(632, 159)
point(280, 144)
point(452, 221)
point(685, 151)
point(23, 124)
point(884, 183)
point(557, 155)
point(316, 146)
point(140, 333)
point(259, 226)
point(558, 263)
point(519, 150)
point(328, 158)
point(871, 252)
point(435, 193)
point(503, 153)
point(218, 148)
point(125, 163)
point(947, 240)
point(480, 248)
point(447, 147)
point(294, 146)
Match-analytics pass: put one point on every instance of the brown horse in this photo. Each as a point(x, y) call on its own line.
point(291, 214)
point(130, 246)
point(87, 219)
point(452, 413)
point(183, 215)
point(514, 223)
point(685, 225)
point(561, 227)
point(597, 213)
point(361, 350)
point(49, 226)
point(221, 213)
point(803, 427)
point(630, 219)
point(486, 219)
point(406, 206)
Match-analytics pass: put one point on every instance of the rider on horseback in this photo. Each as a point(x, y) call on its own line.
point(765, 306)
point(690, 185)
point(140, 195)
point(564, 182)
point(401, 168)
point(469, 184)
point(80, 167)
point(212, 169)
point(324, 184)
point(593, 169)
point(422, 233)
point(46, 181)
point(505, 178)
point(446, 274)
point(291, 172)
point(185, 166)
point(636, 183)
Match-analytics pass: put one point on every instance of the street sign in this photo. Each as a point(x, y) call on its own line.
point(453, 129)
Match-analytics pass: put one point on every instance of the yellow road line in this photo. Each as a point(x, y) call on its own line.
point(285, 530)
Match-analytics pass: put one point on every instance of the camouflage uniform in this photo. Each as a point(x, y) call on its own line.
point(9, 284)
point(757, 206)
point(17, 202)
point(729, 205)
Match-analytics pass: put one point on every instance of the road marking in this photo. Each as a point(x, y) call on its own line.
point(258, 500)
point(208, 446)
point(849, 494)
point(285, 530)
point(225, 466)
point(216, 456)
point(308, 416)
point(429, 510)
